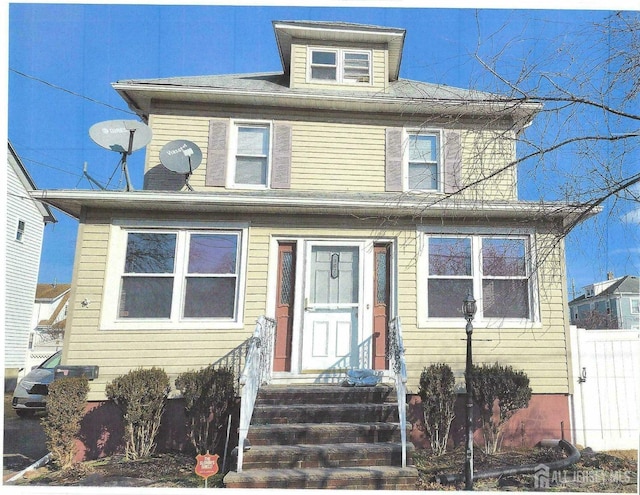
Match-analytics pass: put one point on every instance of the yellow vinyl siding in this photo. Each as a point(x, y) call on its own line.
point(167, 128)
point(540, 350)
point(337, 157)
point(483, 154)
point(299, 65)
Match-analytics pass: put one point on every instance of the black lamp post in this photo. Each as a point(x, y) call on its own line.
point(469, 310)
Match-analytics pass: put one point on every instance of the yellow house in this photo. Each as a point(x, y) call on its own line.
point(332, 197)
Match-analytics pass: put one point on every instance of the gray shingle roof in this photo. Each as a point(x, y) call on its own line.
point(277, 82)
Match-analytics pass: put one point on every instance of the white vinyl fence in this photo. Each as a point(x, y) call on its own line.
point(606, 400)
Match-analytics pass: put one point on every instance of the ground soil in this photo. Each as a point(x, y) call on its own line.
point(611, 472)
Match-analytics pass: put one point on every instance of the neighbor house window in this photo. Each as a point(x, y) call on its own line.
point(20, 230)
point(422, 159)
point(180, 275)
point(339, 65)
point(635, 306)
point(494, 269)
point(252, 146)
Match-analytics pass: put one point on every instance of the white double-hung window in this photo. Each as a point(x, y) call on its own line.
point(495, 269)
point(339, 65)
point(175, 278)
point(423, 161)
point(251, 160)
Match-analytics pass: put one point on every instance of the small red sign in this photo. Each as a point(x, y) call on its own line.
point(207, 465)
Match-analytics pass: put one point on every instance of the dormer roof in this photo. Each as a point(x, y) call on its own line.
point(343, 32)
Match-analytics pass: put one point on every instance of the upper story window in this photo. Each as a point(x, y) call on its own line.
point(494, 268)
point(635, 306)
point(422, 161)
point(252, 154)
point(20, 230)
point(340, 65)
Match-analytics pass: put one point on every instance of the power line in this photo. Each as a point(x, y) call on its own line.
point(69, 91)
point(35, 162)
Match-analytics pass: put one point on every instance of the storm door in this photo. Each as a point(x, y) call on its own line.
point(333, 305)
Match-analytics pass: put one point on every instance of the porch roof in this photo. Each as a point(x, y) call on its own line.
point(384, 205)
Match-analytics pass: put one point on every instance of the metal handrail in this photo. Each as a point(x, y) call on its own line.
point(399, 367)
point(257, 372)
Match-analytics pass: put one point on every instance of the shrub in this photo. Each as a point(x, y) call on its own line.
point(437, 391)
point(506, 387)
point(141, 395)
point(209, 395)
point(66, 404)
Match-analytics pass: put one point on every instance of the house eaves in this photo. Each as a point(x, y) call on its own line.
point(28, 183)
point(405, 97)
point(362, 205)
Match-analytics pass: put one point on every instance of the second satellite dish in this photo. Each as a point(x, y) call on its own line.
point(123, 136)
point(181, 156)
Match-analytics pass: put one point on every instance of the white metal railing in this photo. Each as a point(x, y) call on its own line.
point(399, 367)
point(257, 372)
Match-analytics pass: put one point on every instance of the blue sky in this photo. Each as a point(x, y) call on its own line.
point(63, 59)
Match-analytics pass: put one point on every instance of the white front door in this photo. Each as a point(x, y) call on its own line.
point(333, 307)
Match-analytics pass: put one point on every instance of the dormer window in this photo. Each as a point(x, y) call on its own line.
point(340, 65)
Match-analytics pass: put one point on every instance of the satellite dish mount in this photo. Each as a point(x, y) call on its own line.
point(122, 136)
point(181, 157)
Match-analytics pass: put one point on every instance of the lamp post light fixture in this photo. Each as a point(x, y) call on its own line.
point(469, 309)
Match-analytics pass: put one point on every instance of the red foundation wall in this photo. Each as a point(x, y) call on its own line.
point(545, 418)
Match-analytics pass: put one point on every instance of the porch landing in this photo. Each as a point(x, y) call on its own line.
point(325, 436)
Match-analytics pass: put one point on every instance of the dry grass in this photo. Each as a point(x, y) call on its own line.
point(609, 472)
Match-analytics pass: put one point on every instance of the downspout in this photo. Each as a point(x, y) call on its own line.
point(573, 456)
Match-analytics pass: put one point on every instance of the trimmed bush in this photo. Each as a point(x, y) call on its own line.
point(500, 386)
point(66, 403)
point(437, 391)
point(209, 395)
point(141, 395)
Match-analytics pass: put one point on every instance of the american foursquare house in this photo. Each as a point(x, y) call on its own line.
point(332, 197)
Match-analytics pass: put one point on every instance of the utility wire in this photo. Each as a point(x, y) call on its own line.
point(68, 91)
point(35, 162)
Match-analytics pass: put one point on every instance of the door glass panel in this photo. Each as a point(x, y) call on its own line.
point(381, 278)
point(334, 275)
point(287, 278)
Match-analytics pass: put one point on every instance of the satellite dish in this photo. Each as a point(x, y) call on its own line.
point(123, 136)
point(182, 157)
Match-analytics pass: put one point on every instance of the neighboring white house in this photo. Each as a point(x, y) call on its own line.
point(26, 219)
point(47, 323)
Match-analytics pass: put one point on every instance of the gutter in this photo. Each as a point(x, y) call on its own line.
point(573, 456)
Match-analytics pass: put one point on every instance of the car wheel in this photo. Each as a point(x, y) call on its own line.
point(25, 413)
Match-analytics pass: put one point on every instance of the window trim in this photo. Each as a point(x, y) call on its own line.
point(480, 321)
point(119, 229)
point(233, 153)
point(439, 134)
point(340, 65)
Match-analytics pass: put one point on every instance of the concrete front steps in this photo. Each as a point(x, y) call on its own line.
point(325, 436)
